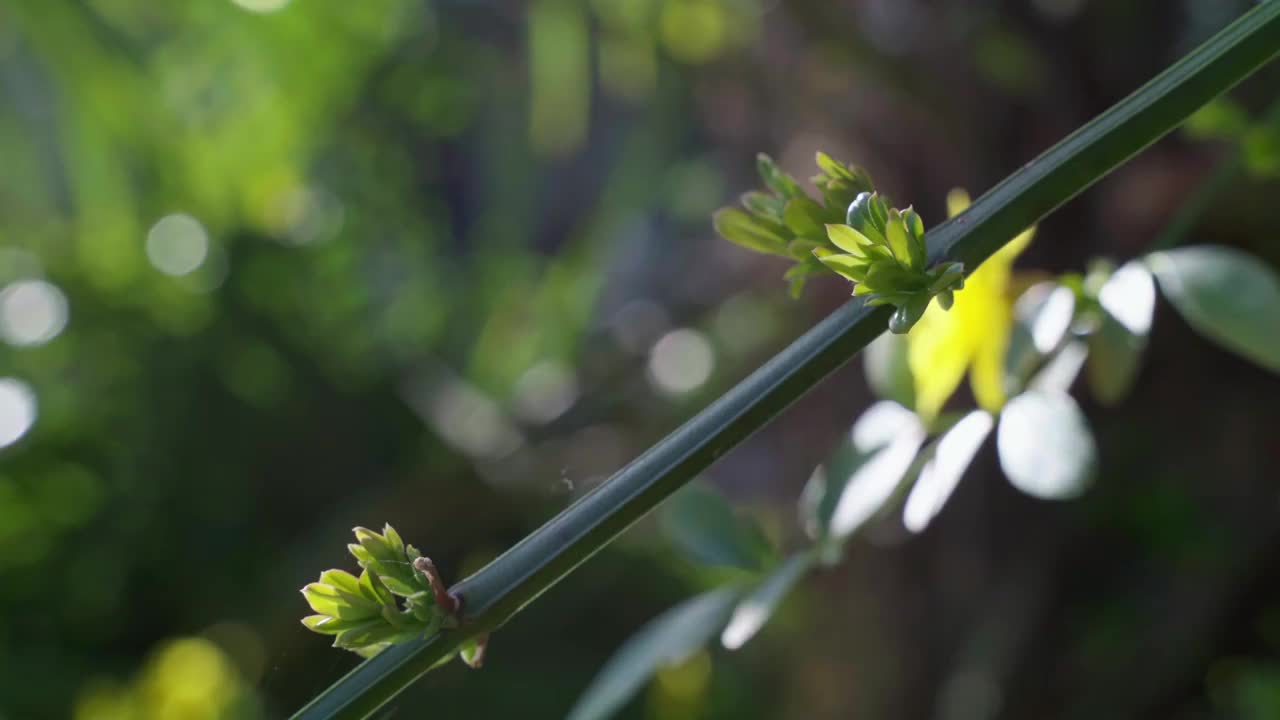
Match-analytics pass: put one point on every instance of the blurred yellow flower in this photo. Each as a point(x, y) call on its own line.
point(972, 336)
point(186, 679)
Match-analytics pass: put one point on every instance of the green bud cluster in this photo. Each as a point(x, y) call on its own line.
point(853, 232)
point(392, 601)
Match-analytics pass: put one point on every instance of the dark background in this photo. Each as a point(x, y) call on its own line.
point(443, 245)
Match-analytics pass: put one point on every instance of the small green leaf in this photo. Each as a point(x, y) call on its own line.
point(837, 194)
point(848, 239)
point(833, 168)
point(754, 610)
point(861, 216)
point(328, 625)
point(887, 370)
point(328, 600)
point(739, 227)
point(366, 634)
point(763, 205)
point(907, 314)
point(393, 538)
point(1045, 446)
point(804, 217)
point(667, 639)
point(849, 266)
point(903, 247)
point(890, 277)
point(371, 587)
point(1227, 296)
point(701, 523)
point(939, 477)
point(777, 181)
point(915, 234)
point(364, 557)
point(797, 275)
point(342, 580)
point(377, 545)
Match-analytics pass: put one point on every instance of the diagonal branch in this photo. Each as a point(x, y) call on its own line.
point(498, 591)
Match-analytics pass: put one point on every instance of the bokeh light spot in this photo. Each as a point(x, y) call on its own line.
point(545, 391)
point(261, 6)
point(17, 410)
point(177, 244)
point(32, 312)
point(681, 361)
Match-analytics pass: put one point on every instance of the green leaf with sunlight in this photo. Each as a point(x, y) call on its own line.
point(754, 610)
point(1228, 296)
point(1127, 303)
point(666, 640)
point(740, 227)
point(940, 475)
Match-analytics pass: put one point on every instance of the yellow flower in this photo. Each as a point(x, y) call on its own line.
point(972, 336)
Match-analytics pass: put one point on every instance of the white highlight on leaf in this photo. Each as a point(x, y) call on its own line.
point(880, 424)
point(873, 483)
point(1054, 319)
point(758, 606)
point(942, 473)
point(1045, 446)
point(1061, 372)
point(1129, 296)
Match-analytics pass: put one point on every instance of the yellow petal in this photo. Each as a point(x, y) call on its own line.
point(938, 352)
point(973, 336)
point(986, 378)
point(957, 201)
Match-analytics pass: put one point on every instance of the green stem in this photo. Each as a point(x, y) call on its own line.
point(498, 591)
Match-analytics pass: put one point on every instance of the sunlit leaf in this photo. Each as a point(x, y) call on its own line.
point(1227, 296)
point(822, 491)
point(804, 217)
point(701, 523)
point(754, 610)
point(666, 640)
point(1115, 348)
point(848, 239)
point(740, 227)
point(1060, 373)
point(880, 424)
point(1129, 296)
point(874, 481)
point(939, 477)
point(1045, 446)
